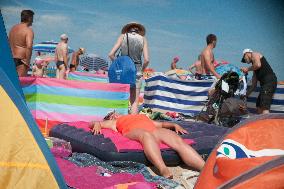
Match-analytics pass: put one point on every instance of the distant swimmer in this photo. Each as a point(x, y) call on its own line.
point(21, 41)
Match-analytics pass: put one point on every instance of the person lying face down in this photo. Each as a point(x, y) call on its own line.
point(150, 133)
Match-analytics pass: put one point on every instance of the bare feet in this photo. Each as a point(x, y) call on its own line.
point(166, 173)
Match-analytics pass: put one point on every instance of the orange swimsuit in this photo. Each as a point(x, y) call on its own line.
point(127, 123)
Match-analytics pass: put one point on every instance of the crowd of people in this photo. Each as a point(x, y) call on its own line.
point(133, 43)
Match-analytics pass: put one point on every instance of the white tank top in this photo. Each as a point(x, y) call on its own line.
point(135, 42)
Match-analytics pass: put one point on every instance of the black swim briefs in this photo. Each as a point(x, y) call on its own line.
point(18, 62)
point(59, 63)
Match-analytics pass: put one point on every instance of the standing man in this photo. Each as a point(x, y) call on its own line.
point(21, 41)
point(263, 73)
point(75, 59)
point(207, 56)
point(61, 57)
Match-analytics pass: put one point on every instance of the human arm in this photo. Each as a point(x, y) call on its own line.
point(210, 66)
point(73, 59)
point(65, 55)
point(253, 85)
point(29, 43)
point(116, 46)
point(191, 68)
point(170, 125)
point(145, 54)
point(96, 126)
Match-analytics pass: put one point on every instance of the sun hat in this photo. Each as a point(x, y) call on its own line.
point(63, 36)
point(126, 28)
point(244, 52)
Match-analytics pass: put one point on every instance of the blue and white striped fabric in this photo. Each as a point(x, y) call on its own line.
point(93, 62)
point(163, 93)
point(48, 47)
point(277, 105)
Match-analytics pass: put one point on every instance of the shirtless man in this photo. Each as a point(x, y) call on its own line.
point(75, 59)
point(198, 69)
point(61, 57)
point(263, 73)
point(207, 56)
point(21, 41)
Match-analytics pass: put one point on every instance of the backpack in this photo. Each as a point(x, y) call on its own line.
point(122, 70)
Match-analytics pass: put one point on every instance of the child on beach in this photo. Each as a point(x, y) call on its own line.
point(150, 133)
point(39, 66)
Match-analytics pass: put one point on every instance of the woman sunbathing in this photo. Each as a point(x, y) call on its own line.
point(150, 133)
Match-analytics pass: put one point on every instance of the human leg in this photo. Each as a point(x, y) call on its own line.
point(189, 156)
point(62, 71)
point(22, 70)
point(265, 97)
point(151, 149)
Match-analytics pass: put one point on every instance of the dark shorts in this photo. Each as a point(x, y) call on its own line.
point(59, 63)
point(18, 62)
point(264, 98)
point(72, 66)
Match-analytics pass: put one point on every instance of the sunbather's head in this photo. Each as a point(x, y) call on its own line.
point(112, 115)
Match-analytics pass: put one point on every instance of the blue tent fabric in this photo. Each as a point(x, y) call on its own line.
point(10, 82)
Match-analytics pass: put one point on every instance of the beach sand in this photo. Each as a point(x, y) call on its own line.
point(183, 175)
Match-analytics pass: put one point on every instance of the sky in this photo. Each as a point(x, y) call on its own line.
point(173, 27)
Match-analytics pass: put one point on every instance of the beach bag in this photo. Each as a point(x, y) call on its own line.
point(123, 70)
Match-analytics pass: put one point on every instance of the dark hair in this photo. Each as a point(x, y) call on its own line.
point(210, 38)
point(26, 15)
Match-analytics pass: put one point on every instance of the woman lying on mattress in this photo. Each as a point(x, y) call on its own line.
point(150, 133)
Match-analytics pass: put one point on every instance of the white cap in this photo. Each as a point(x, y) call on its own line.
point(244, 52)
point(63, 36)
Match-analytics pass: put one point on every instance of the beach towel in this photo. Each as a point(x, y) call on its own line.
point(87, 177)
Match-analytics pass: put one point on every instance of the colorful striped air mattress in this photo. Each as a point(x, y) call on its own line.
point(68, 101)
point(112, 146)
point(164, 93)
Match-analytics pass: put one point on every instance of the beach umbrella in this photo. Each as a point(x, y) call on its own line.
point(93, 62)
point(221, 69)
point(48, 47)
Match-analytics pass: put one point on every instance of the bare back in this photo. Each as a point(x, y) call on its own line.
point(61, 51)
point(21, 41)
point(207, 60)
